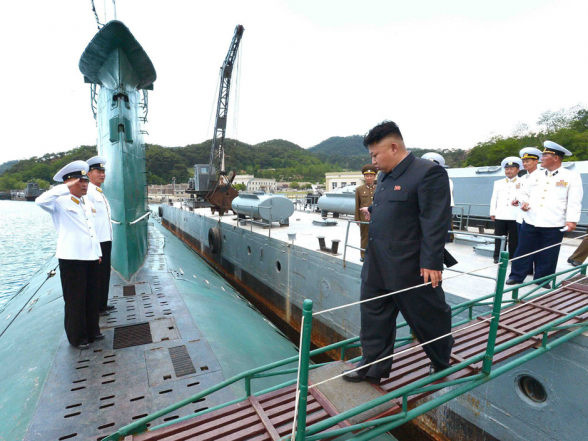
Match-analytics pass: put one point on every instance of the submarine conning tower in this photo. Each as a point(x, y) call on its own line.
point(115, 61)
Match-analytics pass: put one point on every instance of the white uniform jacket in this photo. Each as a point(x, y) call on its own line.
point(525, 180)
point(74, 221)
point(505, 191)
point(103, 224)
point(554, 198)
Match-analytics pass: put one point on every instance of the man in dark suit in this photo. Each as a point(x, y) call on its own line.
point(408, 224)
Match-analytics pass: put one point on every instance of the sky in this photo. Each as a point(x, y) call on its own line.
point(451, 73)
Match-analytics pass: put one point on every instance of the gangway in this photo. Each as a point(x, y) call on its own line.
point(319, 405)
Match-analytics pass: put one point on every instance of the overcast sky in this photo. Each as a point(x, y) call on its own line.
point(450, 73)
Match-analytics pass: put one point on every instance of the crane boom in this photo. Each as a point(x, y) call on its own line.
point(217, 152)
point(209, 188)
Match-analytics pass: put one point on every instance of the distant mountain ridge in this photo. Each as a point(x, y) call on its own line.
point(341, 146)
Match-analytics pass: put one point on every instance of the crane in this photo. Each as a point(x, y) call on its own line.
point(211, 185)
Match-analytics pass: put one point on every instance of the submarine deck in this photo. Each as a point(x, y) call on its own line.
point(301, 223)
point(167, 339)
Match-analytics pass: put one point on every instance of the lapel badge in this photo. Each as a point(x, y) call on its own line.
point(397, 187)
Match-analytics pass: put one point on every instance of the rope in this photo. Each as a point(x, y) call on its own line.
point(412, 348)
point(401, 290)
point(445, 278)
point(550, 246)
point(96, 15)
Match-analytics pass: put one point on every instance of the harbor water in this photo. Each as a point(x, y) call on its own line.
point(27, 241)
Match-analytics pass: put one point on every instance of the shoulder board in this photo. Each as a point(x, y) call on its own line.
point(75, 200)
point(98, 189)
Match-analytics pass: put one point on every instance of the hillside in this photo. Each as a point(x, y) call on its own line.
point(287, 161)
point(6, 165)
point(277, 159)
point(340, 146)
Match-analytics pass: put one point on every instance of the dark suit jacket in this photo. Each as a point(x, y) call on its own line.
point(408, 226)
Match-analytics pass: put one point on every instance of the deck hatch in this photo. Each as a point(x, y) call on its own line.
point(181, 360)
point(132, 335)
point(129, 290)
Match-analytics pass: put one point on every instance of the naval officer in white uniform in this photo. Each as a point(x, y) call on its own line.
point(552, 203)
point(97, 174)
point(78, 251)
point(531, 157)
point(502, 210)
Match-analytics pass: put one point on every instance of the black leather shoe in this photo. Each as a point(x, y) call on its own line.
point(353, 377)
point(104, 313)
point(548, 286)
point(84, 346)
point(99, 337)
point(512, 282)
point(574, 262)
point(495, 260)
point(361, 259)
point(435, 369)
point(110, 308)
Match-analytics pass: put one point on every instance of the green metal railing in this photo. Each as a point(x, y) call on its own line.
point(370, 429)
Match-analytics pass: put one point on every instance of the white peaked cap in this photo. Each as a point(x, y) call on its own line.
point(529, 152)
point(432, 156)
point(550, 145)
point(512, 161)
point(76, 169)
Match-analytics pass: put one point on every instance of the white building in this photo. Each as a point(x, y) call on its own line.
point(337, 180)
point(242, 179)
point(262, 184)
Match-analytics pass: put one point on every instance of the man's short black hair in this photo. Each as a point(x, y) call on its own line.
point(381, 131)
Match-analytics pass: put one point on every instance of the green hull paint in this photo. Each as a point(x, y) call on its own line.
point(125, 181)
point(31, 325)
point(125, 184)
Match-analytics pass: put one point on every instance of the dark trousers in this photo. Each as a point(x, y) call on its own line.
point(581, 252)
point(79, 282)
point(425, 311)
point(506, 228)
point(104, 269)
point(364, 231)
point(532, 239)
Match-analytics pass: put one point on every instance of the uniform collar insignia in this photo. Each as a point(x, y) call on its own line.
point(76, 200)
point(99, 189)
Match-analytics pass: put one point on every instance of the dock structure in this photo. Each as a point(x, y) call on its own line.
point(321, 405)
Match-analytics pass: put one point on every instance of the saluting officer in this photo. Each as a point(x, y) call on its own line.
point(552, 201)
point(78, 251)
point(364, 196)
point(97, 174)
point(531, 157)
point(408, 223)
point(502, 211)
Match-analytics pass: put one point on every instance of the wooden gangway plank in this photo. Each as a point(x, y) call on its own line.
point(270, 416)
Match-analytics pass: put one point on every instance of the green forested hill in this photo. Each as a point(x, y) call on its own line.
point(340, 146)
point(284, 160)
point(6, 165)
point(568, 128)
point(277, 159)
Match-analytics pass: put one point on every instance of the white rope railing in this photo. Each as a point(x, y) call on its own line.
point(446, 278)
point(140, 219)
point(413, 348)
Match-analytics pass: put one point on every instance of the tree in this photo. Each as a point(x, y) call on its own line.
point(240, 187)
point(295, 185)
point(308, 187)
